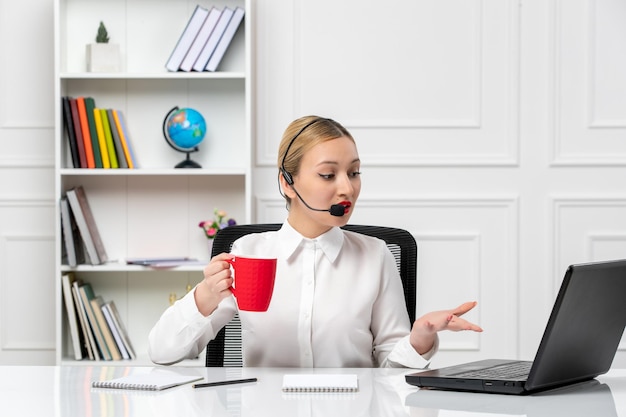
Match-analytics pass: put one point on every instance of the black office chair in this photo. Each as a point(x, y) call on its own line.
point(225, 349)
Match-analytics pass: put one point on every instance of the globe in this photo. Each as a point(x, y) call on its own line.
point(184, 129)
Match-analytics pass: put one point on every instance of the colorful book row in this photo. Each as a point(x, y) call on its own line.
point(98, 138)
point(205, 39)
point(96, 328)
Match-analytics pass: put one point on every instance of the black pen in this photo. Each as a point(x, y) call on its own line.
point(231, 381)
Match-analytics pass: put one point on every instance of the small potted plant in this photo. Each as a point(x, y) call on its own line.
point(220, 221)
point(103, 56)
point(211, 227)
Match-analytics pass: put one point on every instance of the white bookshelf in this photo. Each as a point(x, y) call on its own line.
point(153, 210)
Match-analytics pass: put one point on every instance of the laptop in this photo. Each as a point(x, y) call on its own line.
point(578, 344)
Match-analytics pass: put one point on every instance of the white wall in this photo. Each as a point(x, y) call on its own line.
point(27, 300)
point(492, 130)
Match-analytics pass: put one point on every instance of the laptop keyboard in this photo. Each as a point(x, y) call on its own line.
point(513, 370)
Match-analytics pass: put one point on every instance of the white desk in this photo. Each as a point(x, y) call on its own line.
point(66, 392)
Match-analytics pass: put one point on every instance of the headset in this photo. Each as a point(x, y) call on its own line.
point(336, 209)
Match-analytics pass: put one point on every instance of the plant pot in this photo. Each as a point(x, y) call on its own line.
point(103, 57)
point(210, 247)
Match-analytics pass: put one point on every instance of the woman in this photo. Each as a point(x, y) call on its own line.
point(337, 300)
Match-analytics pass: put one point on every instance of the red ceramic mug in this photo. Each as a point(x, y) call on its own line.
point(254, 282)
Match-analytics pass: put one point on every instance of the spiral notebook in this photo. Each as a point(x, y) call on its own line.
point(320, 383)
point(154, 381)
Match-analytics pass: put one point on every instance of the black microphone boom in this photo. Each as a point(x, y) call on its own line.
point(334, 210)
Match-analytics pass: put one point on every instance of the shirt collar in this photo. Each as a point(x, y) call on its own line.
point(330, 242)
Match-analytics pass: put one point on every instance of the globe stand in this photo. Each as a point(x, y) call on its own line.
point(187, 162)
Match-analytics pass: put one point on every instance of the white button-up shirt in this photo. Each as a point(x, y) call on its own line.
point(337, 302)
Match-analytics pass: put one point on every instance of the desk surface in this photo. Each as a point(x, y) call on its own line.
point(65, 391)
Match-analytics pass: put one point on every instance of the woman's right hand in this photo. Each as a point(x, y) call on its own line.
point(216, 284)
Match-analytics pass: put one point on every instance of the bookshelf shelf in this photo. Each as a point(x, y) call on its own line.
point(226, 75)
point(141, 360)
point(153, 172)
point(123, 267)
point(153, 210)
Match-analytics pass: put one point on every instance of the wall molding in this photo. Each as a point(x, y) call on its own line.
point(560, 202)
point(588, 157)
point(468, 342)
point(7, 343)
point(509, 216)
point(27, 162)
point(505, 142)
point(592, 121)
point(21, 202)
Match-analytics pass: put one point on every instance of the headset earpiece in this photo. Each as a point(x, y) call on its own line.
point(287, 176)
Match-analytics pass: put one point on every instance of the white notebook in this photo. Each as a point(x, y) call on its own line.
point(320, 383)
point(154, 381)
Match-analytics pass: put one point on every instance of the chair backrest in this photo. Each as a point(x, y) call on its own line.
point(225, 349)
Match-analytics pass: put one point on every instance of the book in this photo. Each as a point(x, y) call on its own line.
point(66, 231)
point(88, 338)
point(87, 225)
point(201, 39)
point(78, 133)
point(119, 149)
point(79, 192)
point(213, 40)
point(81, 223)
point(71, 235)
point(72, 317)
point(86, 294)
point(102, 142)
point(84, 126)
point(165, 262)
point(106, 126)
point(122, 329)
point(64, 260)
point(96, 305)
point(124, 134)
point(119, 331)
point(123, 138)
point(158, 260)
point(320, 383)
point(225, 40)
point(114, 332)
point(156, 380)
point(190, 32)
point(90, 104)
point(69, 130)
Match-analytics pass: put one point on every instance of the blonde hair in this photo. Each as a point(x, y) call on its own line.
point(300, 136)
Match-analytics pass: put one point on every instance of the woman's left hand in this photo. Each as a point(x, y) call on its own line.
point(425, 328)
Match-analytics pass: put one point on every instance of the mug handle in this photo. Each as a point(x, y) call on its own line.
point(232, 287)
